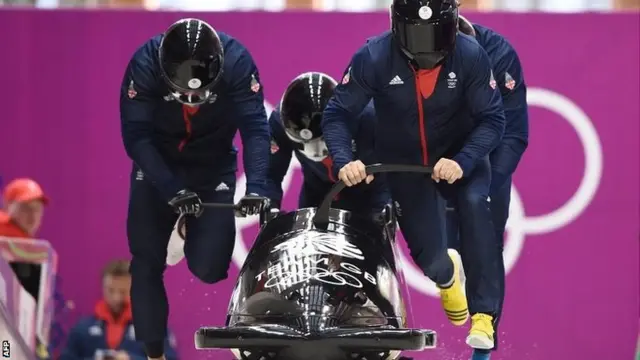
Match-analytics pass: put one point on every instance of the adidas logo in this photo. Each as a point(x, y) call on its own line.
point(222, 186)
point(396, 81)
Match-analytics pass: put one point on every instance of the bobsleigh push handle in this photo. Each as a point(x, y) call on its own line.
point(220, 205)
point(321, 219)
point(232, 206)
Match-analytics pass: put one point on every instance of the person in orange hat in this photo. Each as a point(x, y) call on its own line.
point(23, 208)
point(20, 217)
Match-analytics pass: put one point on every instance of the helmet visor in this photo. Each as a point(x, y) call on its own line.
point(425, 38)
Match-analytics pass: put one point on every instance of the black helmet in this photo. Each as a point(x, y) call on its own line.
point(301, 110)
point(425, 29)
point(191, 59)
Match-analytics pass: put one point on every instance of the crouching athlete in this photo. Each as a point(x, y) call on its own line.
point(295, 129)
point(184, 96)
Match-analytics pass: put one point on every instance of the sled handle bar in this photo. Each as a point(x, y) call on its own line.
point(219, 205)
point(235, 207)
point(213, 205)
point(321, 219)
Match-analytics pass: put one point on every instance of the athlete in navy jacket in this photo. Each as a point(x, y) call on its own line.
point(184, 96)
point(437, 104)
point(505, 157)
point(295, 128)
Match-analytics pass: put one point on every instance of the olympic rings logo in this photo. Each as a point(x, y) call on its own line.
point(519, 225)
point(289, 278)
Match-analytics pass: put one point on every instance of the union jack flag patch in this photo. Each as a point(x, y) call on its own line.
point(255, 85)
point(492, 81)
point(509, 82)
point(274, 147)
point(346, 77)
point(131, 92)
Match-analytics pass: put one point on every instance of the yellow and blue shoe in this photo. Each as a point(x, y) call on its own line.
point(481, 333)
point(454, 300)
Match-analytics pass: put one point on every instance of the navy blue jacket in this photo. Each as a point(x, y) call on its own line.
point(454, 111)
point(318, 175)
point(101, 334)
point(163, 137)
point(510, 79)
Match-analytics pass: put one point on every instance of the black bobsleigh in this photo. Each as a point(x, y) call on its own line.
point(320, 284)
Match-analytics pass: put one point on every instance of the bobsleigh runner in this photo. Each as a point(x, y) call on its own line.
point(320, 284)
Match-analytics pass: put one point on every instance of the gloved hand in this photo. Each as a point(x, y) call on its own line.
point(252, 204)
point(187, 203)
point(275, 204)
point(273, 210)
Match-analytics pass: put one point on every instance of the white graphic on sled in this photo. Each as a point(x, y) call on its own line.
point(285, 274)
point(298, 263)
point(319, 244)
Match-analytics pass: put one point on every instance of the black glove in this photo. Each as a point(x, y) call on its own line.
point(274, 204)
point(271, 212)
point(187, 203)
point(252, 204)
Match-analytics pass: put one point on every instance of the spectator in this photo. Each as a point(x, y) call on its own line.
point(23, 208)
point(108, 334)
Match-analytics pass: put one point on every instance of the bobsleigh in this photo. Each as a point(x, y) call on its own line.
point(320, 284)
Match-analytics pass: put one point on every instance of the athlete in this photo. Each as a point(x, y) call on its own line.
point(437, 105)
point(184, 95)
point(295, 129)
